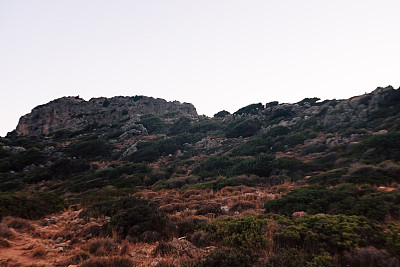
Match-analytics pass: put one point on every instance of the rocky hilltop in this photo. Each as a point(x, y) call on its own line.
point(74, 113)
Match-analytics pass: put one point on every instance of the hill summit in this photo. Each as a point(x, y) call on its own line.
point(74, 113)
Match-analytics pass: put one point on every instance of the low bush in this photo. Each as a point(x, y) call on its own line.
point(29, 204)
point(91, 149)
point(393, 239)
point(378, 148)
point(331, 233)
point(152, 123)
point(24, 158)
point(5, 232)
point(156, 148)
point(116, 261)
point(368, 256)
point(227, 258)
point(243, 128)
point(129, 216)
point(246, 232)
point(345, 199)
point(19, 224)
point(102, 247)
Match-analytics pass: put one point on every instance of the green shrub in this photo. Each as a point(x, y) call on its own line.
point(309, 101)
point(221, 114)
point(245, 232)
point(393, 239)
point(182, 125)
point(129, 216)
point(261, 165)
point(250, 109)
point(286, 257)
point(205, 126)
point(154, 149)
point(227, 258)
point(101, 195)
point(91, 149)
point(29, 204)
point(331, 233)
point(346, 199)
point(65, 167)
point(128, 175)
point(22, 159)
point(214, 166)
point(153, 124)
point(244, 128)
point(378, 148)
point(254, 146)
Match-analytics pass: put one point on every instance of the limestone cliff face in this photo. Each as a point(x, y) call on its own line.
point(74, 113)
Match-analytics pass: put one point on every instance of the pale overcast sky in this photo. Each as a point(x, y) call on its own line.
point(216, 54)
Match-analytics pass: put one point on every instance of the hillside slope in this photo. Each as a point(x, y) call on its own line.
point(314, 183)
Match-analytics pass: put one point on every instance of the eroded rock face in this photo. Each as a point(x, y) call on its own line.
point(74, 113)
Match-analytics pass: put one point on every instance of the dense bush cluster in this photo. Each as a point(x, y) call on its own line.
point(345, 199)
point(29, 204)
point(130, 216)
point(154, 149)
point(91, 149)
point(246, 232)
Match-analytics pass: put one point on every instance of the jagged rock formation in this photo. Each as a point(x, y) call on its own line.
point(326, 114)
point(74, 113)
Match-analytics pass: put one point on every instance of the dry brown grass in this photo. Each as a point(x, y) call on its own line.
point(18, 224)
point(39, 252)
point(102, 247)
point(5, 232)
point(4, 243)
point(116, 261)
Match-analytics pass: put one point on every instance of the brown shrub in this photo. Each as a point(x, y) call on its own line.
point(163, 249)
point(209, 208)
point(189, 193)
point(64, 233)
point(124, 248)
point(20, 224)
point(39, 252)
point(200, 239)
point(91, 229)
point(117, 261)
point(193, 205)
point(369, 257)
point(197, 197)
point(173, 207)
point(79, 257)
point(150, 236)
point(228, 190)
point(102, 246)
point(5, 232)
point(164, 263)
point(4, 243)
point(243, 205)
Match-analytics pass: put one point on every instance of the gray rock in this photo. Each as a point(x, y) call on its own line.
point(74, 113)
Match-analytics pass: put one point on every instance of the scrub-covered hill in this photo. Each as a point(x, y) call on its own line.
point(314, 183)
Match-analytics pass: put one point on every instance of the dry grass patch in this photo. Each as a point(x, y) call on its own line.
point(116, 261)
point(39, 252)
point(5, 232)
point(102, 247)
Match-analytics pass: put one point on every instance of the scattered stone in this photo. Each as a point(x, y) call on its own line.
point(298, 214)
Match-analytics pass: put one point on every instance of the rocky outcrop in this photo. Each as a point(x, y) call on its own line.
point(325, 114)
point(74, 113)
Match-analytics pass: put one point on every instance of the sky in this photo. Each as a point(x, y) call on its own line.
point(215, 54)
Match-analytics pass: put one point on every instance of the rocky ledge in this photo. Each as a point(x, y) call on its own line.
point(74, 113)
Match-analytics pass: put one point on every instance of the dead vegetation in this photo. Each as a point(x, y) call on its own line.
point(65, 239)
